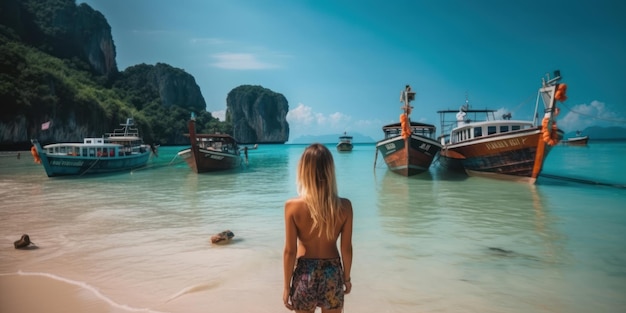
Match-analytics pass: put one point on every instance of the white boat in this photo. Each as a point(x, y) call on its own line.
point(578, 140)
point(345, 143)
point(122, 150)
point(481, 145)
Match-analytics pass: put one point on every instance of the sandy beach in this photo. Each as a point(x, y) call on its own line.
point(35, 293)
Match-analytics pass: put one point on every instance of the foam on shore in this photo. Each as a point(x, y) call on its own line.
point(44, 292)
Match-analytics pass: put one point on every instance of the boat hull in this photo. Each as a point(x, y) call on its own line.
point(203, 161)
point(408, 156)
point(76, 166)
point(344, 147)
point(576, 141)
point(509, 156)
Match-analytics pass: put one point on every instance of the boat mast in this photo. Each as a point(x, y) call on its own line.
point(406, 96)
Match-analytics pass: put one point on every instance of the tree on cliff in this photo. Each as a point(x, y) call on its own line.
point(57, 62)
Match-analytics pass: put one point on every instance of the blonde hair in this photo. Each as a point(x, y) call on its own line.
point(318, 188)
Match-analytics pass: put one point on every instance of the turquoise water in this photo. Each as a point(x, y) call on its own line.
point(438, 241)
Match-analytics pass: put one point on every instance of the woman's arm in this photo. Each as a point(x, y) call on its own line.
point(289, 254)
point(346, 244)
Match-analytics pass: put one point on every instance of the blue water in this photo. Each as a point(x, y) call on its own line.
point(435, 242)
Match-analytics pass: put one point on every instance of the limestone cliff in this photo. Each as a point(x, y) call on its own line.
point(64, 30)
point(258, 115)
point(162, 83)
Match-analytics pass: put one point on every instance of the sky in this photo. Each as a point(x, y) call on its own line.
point(341, 65)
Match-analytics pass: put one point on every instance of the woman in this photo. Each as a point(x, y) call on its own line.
point(314, 221)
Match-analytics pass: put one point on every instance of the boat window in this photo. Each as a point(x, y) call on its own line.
point(478, 132)
point(491, 130)
point(92, 152)
point(515, 127)
point(504, 128)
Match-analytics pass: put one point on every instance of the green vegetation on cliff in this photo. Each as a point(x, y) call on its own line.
point(57, 63)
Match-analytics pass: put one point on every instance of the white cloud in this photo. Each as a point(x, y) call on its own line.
point(221, 114)
point(584, 115)
point(240, 61)
point(303, 121)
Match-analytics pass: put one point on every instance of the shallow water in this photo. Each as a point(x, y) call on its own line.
point(437, 242)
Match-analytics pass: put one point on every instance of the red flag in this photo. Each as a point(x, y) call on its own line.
point(45, 125)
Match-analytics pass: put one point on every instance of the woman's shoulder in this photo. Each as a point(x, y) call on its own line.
point(346, 204)
point(294, 203)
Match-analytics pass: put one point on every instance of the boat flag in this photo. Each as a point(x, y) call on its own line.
point(45, 125)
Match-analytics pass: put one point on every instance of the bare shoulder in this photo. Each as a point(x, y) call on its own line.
point(294, 204)
point(346, 205)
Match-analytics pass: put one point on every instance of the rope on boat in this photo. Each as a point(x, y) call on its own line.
point(171, 162)
point(375, 157)
point(87, 170)
point(583, 181)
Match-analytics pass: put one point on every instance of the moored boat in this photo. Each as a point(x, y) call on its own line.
point(506, 149)
point(578, 140)
point(345, 143)
point(121, 150)
point(210, 152)
point(408, 148)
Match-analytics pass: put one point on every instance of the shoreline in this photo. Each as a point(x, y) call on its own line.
point(40, 292)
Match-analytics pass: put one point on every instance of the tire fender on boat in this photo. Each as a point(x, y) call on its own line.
point(33, 151)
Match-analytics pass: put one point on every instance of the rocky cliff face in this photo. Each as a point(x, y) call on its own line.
point(63, 29)
point(258, 115)
point(163, 83)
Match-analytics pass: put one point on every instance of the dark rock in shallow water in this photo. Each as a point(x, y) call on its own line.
point(222, 237)
point(23, 242)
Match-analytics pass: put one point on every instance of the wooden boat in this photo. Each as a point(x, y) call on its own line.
point(507, 149)
point(408, 148)
point(579, 140)
point(122, 150)
point(345, 143)
point(210, 152)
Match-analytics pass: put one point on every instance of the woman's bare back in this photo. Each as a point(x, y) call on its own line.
point(310, 243)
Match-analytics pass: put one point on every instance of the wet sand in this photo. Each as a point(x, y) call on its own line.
point(33, 294)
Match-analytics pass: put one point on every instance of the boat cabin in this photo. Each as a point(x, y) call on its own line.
point(345, 139)
point(482, 129)
point(96, 147)
point(217, 142)
point(469, 124)
point(419, 129)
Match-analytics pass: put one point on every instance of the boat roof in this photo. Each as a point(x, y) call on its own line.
point(223, 136)
point(122, 138)
point(413, 124)
point(467, 111)
point(80, 144)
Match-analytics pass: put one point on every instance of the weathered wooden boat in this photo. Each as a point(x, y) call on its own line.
point(122, 150)
point(210, 152)
point(506, 149)
point(408, 148)
point(578, 140)
point(345, 143)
